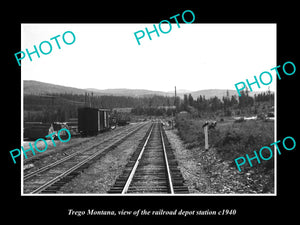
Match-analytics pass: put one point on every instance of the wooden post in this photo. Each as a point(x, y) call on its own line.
point(205, 127)
point(174, 113)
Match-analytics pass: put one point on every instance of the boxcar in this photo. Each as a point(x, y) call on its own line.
point(35, 130)
point(92, 120)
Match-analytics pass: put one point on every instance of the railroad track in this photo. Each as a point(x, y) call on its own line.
point(50, 178)
point(152, 167)
point(32, 159)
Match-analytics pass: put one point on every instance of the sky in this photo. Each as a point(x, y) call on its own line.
point(192, 57)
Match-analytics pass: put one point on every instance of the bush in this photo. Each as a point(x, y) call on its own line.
point(231, 140)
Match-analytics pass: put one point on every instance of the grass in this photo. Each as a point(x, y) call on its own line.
point(228, 141)
point(231, 139)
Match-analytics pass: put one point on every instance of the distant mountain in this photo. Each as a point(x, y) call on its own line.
point(39, 88)
point(210, 93)
point(180, 91)
point(127, 92)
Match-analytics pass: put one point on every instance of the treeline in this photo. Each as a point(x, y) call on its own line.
point(151, 111)
point(39, 102)
point(228, 104)
point(62, 107)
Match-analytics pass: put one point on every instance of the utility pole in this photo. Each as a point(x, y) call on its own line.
point(175, 100)
point(173, 113)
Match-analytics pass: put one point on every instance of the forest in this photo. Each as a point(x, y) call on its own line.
point(62, 107)
point(202, 107)
point(229, 105)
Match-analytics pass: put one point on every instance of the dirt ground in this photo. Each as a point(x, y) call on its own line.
point(189, 165)
point(52, 154)
point(205, 173)
point(101, 175)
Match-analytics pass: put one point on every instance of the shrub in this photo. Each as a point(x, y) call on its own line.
point(230, 139)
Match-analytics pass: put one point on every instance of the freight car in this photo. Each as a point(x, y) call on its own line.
point(34, 130)
point(92, 120)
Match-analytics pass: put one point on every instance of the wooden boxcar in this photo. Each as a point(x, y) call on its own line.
point(92, 120)
point(35, 130)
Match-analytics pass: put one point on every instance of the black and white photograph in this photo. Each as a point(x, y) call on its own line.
point(104, 114)
point(149, 114)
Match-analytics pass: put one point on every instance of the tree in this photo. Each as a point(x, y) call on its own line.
point(215, 103)
point(233, 100)
point(185, 102)
point(190, 100)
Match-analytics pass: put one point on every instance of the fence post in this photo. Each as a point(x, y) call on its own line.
point(206, 137)
point(205, 127)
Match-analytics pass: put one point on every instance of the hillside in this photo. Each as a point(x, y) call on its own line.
point(37, 88)
point(48, 102)
point(127, 92)
point(210, 93)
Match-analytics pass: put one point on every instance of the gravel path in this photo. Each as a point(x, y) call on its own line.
point(61, 150)
point(189, 164)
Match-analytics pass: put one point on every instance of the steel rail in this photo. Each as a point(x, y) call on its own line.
point(47, 167)
point(78, 165)
point(167, 163)
point(125, 189)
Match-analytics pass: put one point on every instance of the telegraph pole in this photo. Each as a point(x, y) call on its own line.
point(174, 113)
